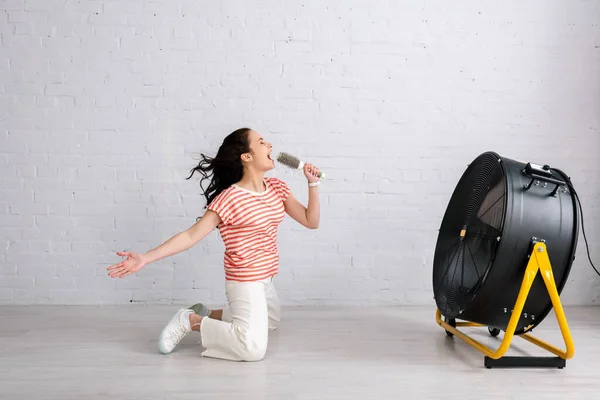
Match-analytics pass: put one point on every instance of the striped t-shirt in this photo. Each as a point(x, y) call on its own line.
point(248, 227)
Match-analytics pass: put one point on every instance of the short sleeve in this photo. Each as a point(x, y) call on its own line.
point(282, 189)
point(222, 206)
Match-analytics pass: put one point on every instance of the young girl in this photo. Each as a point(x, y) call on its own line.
point(247, 208)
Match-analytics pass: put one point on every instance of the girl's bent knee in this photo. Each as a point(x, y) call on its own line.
point(254, 355)
point(253, 351)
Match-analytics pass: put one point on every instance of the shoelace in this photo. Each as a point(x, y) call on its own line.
point(177, 333)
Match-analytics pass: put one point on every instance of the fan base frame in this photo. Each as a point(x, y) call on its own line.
point(539, 261)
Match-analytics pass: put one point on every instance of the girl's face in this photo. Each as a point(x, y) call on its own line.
point(260, 153)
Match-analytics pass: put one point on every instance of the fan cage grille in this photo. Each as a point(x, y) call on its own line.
point(469, 234)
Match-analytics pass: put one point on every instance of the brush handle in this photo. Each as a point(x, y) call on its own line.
point(321, 175)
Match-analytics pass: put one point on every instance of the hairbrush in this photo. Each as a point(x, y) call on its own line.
point(293, 162)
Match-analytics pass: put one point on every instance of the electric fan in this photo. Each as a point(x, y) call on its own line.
point(505, 222)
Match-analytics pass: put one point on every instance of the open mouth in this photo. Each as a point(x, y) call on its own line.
point(269, 156)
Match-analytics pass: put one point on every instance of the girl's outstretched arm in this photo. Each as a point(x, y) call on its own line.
point(176, 244)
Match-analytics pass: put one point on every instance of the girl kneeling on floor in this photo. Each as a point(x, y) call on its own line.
point(247, 208)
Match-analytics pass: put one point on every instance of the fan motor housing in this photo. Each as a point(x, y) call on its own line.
point(498, 210)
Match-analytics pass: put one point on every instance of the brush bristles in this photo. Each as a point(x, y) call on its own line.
point(289, 160)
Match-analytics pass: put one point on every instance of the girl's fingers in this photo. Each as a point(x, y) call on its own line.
point(313, 170)
point(125, 273)
point(112, 267)
point(118, 272)
point(124, 253)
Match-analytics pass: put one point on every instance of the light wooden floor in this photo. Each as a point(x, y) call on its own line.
point(337, 353)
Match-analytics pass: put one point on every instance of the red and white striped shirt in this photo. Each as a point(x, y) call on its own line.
point(248, 227)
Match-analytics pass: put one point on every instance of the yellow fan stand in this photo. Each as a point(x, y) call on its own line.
point(538, 262)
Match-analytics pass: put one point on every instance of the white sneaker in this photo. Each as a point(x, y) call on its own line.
point(174, 331)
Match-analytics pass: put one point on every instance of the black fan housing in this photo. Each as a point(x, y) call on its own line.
point(498, 209)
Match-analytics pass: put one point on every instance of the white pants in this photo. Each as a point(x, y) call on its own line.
point(243, 332)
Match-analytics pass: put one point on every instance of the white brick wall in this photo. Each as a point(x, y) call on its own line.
point(105, 106)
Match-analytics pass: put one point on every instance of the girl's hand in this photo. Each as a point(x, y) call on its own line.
point(311, 172)
point(133, 263)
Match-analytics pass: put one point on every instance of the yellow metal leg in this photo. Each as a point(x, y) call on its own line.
point(539, 261)
point(542, 259)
